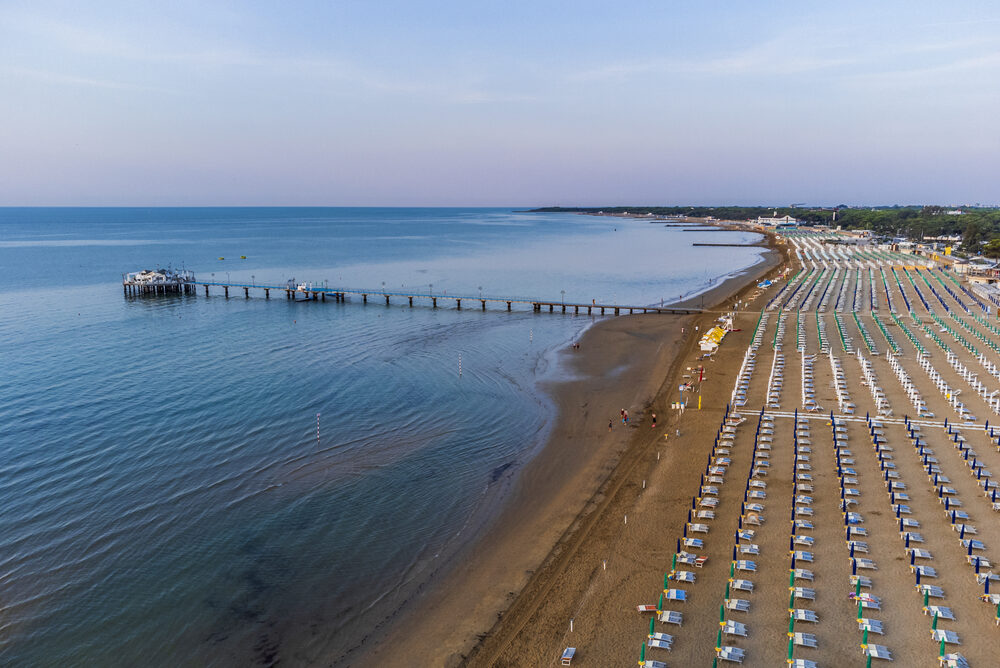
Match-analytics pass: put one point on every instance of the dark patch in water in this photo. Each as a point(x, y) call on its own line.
point(498, 471)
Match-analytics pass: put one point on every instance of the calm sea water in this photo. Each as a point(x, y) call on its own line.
point(165, 499)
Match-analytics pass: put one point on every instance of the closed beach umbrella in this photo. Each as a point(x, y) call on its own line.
point(722, 614)
point(941, 653)
point(864, 639)
point(659, 607)
point(791, 625)
point(642, 655)
point(860, 612)
point(927, 597)
point(934, 622)
point(652, 620)
point(718, 639)
point(857, 587)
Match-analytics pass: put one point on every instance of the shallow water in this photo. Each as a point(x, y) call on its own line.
point(166, 500)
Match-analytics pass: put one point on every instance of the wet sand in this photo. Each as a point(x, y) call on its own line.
point(565, 493)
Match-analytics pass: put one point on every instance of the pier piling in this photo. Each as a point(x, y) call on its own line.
point(484, 303)
point(435, 300)
point(387, 300)
point(458, 304)
point(246, 293)
point(226, 288)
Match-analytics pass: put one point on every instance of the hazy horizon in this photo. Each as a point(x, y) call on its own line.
point(452, 104)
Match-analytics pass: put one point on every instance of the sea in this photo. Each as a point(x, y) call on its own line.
point(202, 481)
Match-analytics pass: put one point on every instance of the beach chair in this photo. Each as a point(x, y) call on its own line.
point(803, 574)
point(734, 654)
point(867, 564)
point(743, 585)
point(804, 593)
point(699, 528)
point(878, 652)
point(933, 591)
point(925, 571)
point(675, 595)
point(738, 604)
point(953, 660)
point(646, 608)
point(671, 617)
point(799, 539)
point(802, 615)
point(684, 576)
point(655, 664)
point(732, 628)
point(658, 643)
point(864, 580)
point(700, 562)
point(803, 663)
point(941, 611)
point(694, 543)
point(567, 656)
point(687, 558)
point(749, 548)
point(870, 625)
point(802, 555)
point(705, 515)
point(746, 565)
point(949, 637)
point(804, 639)
point(746, 534)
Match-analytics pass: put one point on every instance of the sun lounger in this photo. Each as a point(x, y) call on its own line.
point(953, 660)
point(684, 576)
point(675, 595)
point(567, 656)
point(804, 663)
point(646, 608)
point(949, 637)
point(655, 664)
point(743, 585)
point(871, 625)
point(941, 611)
point(734, 654)
point(738, 604)
point(878, 652)
point(804, 639)
point(802, 615)
point(732, 628)
point(659, 644)
point(671, 617)
point(932, 591)
point(804, 593)
point(746, 565)
point(803, 574)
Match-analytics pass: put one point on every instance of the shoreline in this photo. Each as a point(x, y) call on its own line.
point(627, 361)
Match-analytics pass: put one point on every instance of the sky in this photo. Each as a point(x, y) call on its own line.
point(498, 103)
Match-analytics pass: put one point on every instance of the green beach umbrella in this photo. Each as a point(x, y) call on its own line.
point(642, 655)
point(732, 569)
point(666, 578)
point(857, 587)
point(927, 596)
point(998, 610)
point(659, 607)
point(791, 600)
point(791, 578)
point(673, 563)
point(864, 639)
point(868, 662)
point(934, 622)
point(791, 625)
point(942, 648)
point(727, 597)
point(722, 614)
point(860, 614)
point(718, 640)
point(791, 649)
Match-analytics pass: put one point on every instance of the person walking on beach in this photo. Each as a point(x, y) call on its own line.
point(626, 417)
point(610, 422)
point(654, 421)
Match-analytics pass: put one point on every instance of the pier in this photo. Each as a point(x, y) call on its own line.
point(141, 283)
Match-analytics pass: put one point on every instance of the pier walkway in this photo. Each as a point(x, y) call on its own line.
point(314, 292)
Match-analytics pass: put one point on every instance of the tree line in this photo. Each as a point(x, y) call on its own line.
point(978, 227)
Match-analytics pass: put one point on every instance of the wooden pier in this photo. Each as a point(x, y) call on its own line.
point(310, 292)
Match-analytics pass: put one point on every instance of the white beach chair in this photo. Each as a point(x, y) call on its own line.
point(671, 617)
point(734, 654)
point(567, 656)
point(802, 615)
point(742, 585)
point(878, 652)
point(804, 639)
point(732, 628)
point(738, 604)
point(949, 637)
point(871, 625)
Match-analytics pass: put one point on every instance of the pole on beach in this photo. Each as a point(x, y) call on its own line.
point(317, 431)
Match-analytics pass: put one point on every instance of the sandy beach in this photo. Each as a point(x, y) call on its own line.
point(556, 511)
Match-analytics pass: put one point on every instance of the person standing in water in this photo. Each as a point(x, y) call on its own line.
point(610, 423)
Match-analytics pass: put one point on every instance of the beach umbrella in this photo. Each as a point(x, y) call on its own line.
point(718, 639)
point(941, 653)
point(673, 562)
point(857, 586)
point(868, 661)
point(791, 578)
point(934, 622)
point(913, 555)
point(678, 545)
point(659, 607)
point(652, 620)
point(864, 638)
point(727, 590)
point(927, 597)
point(791, 625)
point(791, 598)
point(860, 611)
point(998, 610)
point(854, 566)
point(977, 565)
point(918, 577)
point(732, 569)
point(642, 655)
point(791, 649)
point(722, 614)
point(987, 584)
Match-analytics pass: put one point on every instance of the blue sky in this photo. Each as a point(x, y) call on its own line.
point(498, 103)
